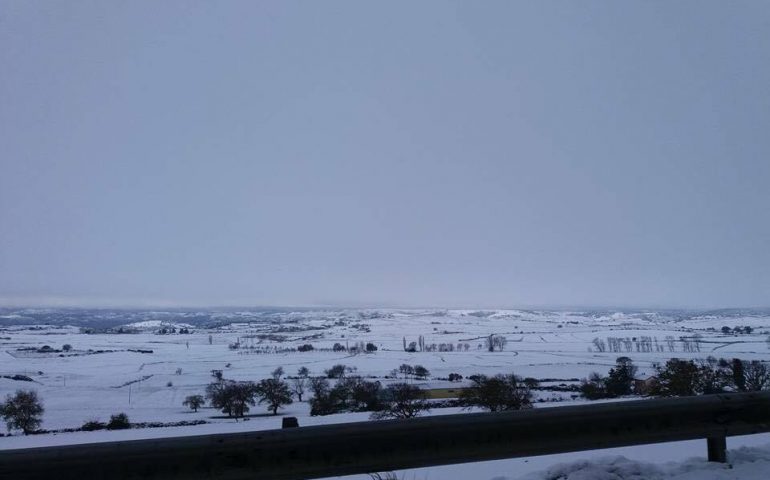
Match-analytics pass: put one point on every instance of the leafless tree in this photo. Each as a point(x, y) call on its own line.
point(496, 342)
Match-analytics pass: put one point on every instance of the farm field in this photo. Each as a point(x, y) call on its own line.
point(149, 369)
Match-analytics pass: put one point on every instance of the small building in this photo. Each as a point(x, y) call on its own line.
point(645, 386)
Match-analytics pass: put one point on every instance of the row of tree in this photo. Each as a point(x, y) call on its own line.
point(647, 344)
point(24, 410)
point(679, 377)
point(235, 398)
point(492, 343)
point(687, 377)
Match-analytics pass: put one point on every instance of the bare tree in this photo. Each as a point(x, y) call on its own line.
point(496, 342)
point(298, 386)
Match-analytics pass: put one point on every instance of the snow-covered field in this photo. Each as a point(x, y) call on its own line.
point(108, 373)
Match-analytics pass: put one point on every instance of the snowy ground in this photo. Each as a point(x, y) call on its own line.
point(745, 463)
point(82, 385)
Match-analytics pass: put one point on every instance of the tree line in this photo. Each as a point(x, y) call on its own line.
point(679, 377)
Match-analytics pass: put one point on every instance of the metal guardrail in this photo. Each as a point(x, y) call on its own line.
point(342, 449)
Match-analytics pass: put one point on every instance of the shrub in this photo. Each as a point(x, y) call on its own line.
point(455, 377)
point(66, 347)
point(305, 348)
point(531, 383)
point(338, 347)
point(93, 425)
point(370, 347)
point(757, 376)
point(337, 371)
point(118, 422)
point(594, 387)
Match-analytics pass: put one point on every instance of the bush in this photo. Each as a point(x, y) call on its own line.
point(370, 347)
point(594, 387)
point(338, 347)
point(455, 377)
point(305, 348)
point(22, 411)
point(118, 422)
point(93, 425)
point(337, 371)
point(66, 347)
point(757, 376)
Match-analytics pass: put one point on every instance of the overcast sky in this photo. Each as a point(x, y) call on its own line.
point(385, 154)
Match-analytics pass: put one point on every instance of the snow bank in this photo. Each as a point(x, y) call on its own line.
point(745, 463)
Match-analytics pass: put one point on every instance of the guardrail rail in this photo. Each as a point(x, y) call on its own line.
point(343, 449)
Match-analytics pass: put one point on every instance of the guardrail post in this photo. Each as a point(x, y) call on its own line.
point(717, 449)
point(289, 422)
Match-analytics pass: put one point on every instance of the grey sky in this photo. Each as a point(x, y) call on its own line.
point(390, 153)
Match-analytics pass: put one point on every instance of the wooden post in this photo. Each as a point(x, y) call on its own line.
point(717, 449)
